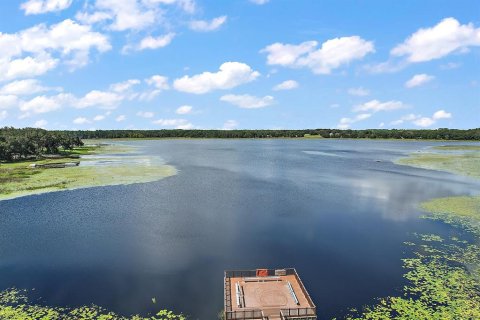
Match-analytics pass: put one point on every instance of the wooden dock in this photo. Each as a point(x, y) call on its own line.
point(267, 294)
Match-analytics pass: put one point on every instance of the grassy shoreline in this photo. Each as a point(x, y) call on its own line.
point(18, 179)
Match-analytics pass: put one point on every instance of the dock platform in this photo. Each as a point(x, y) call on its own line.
point(266, 294)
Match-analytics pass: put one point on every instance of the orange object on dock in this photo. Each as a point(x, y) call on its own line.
point(262, 272)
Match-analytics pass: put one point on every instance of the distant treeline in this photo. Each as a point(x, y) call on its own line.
point(439, 134)
point(19, 144)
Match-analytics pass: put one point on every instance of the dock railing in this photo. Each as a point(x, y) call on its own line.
point(253, 273)
point(299, 314)
point(305, 292)
point(253, 314)
point(227, 296)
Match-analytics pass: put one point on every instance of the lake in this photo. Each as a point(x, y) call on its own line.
point(339, 211)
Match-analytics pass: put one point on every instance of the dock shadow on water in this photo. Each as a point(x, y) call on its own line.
point(341, 221)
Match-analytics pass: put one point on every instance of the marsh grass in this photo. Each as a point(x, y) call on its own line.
point(17, 179)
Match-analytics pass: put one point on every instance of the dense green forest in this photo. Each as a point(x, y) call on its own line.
point(439, 134)
point(20, 144)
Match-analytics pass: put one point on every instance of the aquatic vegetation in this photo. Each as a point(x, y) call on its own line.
point(444, 283)
point(459, 211)
point(458, 147)
point(14, 305)
point(431, 238)
point(444, 274)
point(17, 179)
point(465, 163)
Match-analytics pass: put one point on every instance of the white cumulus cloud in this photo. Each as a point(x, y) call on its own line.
point(360, 92)
point(189, 6)
point(8, 101)
point(206, 26)
point(40, 123)
point(376, 106)
point(24, 87)
point(26, 67)
point(345, 123)
point(103, 99)
point(124, 86)
point(247, 101)
point(422, 121)
point(446, 37)
point(81, 120)
point(441, 114)
point(125, 14)
point(44, 104)
point(131, 15)
point(286, 85)
point(145, 114)
point(176, 123)
point(184, 110)
point(121, 118)
point(287, 54)
point(408, 117)
point(92, 18)
point(418, 80)
point(332, 54)
point(38, 49)
point(151, 43)
point(44, 6)
point(158, 81)
point(230, 75)
point(3, 114)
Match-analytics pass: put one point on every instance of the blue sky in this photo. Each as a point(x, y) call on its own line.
point(239, 64)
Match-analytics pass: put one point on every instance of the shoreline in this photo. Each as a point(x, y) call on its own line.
point(103, 165)
point(474, 142)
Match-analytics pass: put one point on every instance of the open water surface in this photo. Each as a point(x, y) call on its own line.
point(336, 210)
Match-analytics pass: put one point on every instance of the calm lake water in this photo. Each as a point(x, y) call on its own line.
point(336, 210)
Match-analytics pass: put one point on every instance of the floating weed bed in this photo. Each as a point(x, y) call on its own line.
point(444, 274)
point(458, 147)
point(465, 163)
point(15, 305)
